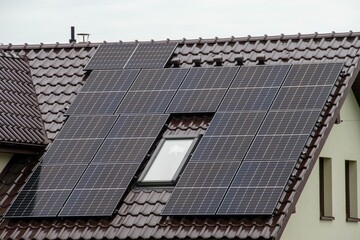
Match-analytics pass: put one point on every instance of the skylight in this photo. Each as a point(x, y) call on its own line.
point(168, 160)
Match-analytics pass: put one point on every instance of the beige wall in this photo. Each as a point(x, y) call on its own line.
point(4, 159)
point(343, 144)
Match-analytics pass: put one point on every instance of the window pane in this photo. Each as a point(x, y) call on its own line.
point(168, 160)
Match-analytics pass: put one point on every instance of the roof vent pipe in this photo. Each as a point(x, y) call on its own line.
point(261, 59)
point(72, 39)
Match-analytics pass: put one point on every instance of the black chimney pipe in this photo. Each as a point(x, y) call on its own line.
point(72, 39)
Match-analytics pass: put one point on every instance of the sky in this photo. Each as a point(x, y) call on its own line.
point(49, 21)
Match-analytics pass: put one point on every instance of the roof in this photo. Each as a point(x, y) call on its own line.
point(57, 73)
point(139, 215)
point(20, 119)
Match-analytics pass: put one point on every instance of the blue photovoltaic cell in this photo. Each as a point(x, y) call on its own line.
point(194, 201)
point(38, 203)
point(196, 101)
point(111, 56)
point(313, 97)
point(250, 201)
point(86, 127)
point(118, 80)
point(135, 126)
point(313, 74)
point(71, 151)
point(214, 149)
point(145, 102)
point(248, 99)
point(88, 202)
point(277, 147)
point(151, 55)
point(204, 174)
point(206, 78)
point(107, 176)
point(159, 79)
point(263, 174)
point(96, 103)
point(127, 150)
point(260, 76)
point(55, 177)
point(235, 123)
point(289, 122)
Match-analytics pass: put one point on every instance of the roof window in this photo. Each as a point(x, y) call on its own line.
point(168, 160)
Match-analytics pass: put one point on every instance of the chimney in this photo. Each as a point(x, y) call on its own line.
point(72, 39)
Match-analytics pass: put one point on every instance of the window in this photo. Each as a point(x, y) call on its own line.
point(325, 189)
point(351, 191)
point(168, 160)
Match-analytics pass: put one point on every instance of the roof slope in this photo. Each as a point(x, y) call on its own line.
point(139, 215)
point(20, 119)
point(57, 73)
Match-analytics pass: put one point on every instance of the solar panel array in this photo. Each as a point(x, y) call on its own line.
point(224, 145)
point(61, 167)
point(242, 164)
point(262, 122)
point(112, 56)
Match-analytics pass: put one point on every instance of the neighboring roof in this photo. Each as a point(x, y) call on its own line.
point(20, 118)
point(57, 73)
point(139, 214)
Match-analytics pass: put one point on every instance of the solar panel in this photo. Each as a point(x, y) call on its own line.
point(313, 74)
point(55, 177)
point(136, 126)
point(207, 174)
point(111, 56)
point(194, 201)
point(146, 102)
point(235, 123)
point(159, 79)
point(313, 97)
point(250, 201)
point(87, 202)
point(277, 147)
point(128, 150)
point(96, 103)
point(248, 99)
point(151, 55)
point(86, 127)
point(196, 101)
point(260, 76)
point(38, 203)
point(118, 80)
point(206, 78)
point(77, 151)
point(263, 174)
point(107, 176)
point(289, 122)
point(213, 149)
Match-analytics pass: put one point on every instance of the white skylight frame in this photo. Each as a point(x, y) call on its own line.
point(176, 175)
